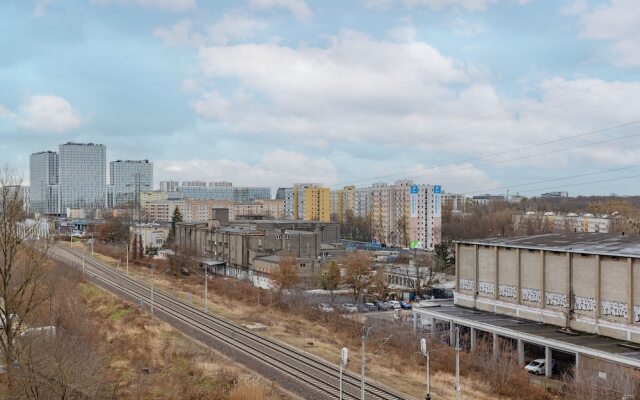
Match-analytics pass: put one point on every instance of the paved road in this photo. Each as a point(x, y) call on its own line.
point(302, 373)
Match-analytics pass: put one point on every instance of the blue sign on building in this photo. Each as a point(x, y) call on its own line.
point(437, 189)
point(414, 189)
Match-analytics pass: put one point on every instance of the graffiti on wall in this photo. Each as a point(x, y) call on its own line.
point(556, 299)
point(507, 291)
point(531, 295)
point(486, 287)
point(636, 313)
point(584, 303)
point(467, 284)
point(614, 308)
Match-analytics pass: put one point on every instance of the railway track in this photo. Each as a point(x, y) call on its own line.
point(317, 374)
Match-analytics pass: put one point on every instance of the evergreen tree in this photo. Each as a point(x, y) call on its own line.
point(140, 248)
point(175, 218)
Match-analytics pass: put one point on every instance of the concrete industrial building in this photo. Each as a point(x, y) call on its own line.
point(586, 282)
point(251, 249)
point(129, 178)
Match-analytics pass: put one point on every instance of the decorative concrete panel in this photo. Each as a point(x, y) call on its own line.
point(584, 303)
point(556, 299)
point(486, 287)
point(467, 284)
point(614, 308)
point(507, 291)
point(531, 295)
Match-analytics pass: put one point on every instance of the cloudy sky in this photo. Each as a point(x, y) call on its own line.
point(476, 95)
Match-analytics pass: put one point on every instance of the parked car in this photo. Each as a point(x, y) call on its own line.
point(382, 306)
point(349, 308)
point(370, 307)
point(324, 307)
point(538, 366)
point(405, 306)
point(395, 304)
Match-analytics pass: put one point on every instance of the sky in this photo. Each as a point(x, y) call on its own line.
point(480, 96)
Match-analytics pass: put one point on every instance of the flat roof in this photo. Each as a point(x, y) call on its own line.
point(611, 244)
point(537, 333)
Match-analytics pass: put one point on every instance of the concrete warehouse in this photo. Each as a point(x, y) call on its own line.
point(588, 282)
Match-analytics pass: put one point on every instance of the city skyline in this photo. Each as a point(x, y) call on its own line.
point(409, 89)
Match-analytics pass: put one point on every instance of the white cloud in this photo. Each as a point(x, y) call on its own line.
point(469, 5)
point(298, 8)
point(454, 178)
point(48, 114)
point(235, 26)
point(179, 34)
point(276, 168)
point(377, 4)
point(41, 6)
point(616, 22)
point(466, 28)
point(166, 5)
point(4, 111)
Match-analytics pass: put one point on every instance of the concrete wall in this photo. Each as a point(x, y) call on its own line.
point(467, 269)
point(583, 277)
point(486, 271)
point(507, 274)
point(556, 296)
point(530, 277)
point(613, 289)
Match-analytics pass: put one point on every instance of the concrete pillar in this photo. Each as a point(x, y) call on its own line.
point(518, 278)
point(415, 322)
point(577, 365)
point(543, 277)
point(458, 266)
point(598, 290)
point(474, 339)
point(452, 335)
point(496, 274)
point(496, 345)
point(547, 362)
point(630, 290)
point(476, 274)
point(521, 352)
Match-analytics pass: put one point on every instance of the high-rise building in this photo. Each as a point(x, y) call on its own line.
point(407, 215)
point(129, 178)
point(308, 202)
point(169, 186)
point(43, 176)
point(249, 194)
point(194, 183)
point(82, 175)
point(281, 193)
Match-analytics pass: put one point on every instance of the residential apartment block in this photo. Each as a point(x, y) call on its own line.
point(350, 199)
point(44, 192)
point(308, 202)
point(407, 215)
point(169, 186)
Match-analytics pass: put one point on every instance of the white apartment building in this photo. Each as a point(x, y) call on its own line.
point(407, 215)
point(169, 186)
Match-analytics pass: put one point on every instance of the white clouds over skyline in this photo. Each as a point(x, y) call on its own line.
point(48, 113)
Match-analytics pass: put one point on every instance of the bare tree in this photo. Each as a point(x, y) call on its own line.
point(331, 279)
point(23, 268)
point(285, 275)
point(380, 283)
point(357, 271)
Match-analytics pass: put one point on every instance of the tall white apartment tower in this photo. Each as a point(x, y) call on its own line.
point(129, 178)
point(82, 175)
point(43, 177)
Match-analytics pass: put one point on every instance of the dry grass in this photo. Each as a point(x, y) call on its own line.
point(149, 359)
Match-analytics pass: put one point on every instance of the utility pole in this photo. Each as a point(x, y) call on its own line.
point(127, 258)
point(343, 363)
point(83, 264)
point(153, 267)
point(362, 362)
point(457, 363)
point(206, 289)
point(425, 352)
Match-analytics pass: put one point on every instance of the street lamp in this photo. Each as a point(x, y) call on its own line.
point(425, 352)
point(206, 287)
point(153, 267)
point(344, 359)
